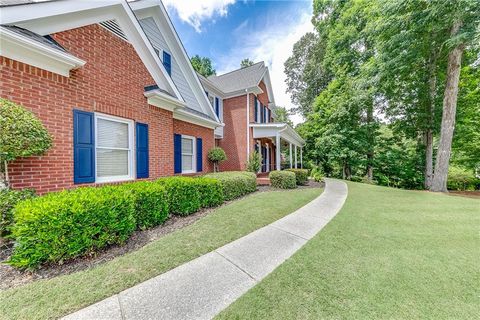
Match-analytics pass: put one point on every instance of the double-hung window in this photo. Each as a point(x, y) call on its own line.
point(167, 62)
point(188, 154)
point(113, 148)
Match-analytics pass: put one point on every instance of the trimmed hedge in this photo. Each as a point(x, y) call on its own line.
point(210, 191)
point(301, 176)
point(283, 179)
point(67, 224)
point(183, 195)
point(151, 203)
point(8, 200)
point(235, 183)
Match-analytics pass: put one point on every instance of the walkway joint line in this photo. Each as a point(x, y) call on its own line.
point(237, 266)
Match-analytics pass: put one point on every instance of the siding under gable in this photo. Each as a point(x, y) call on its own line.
point(158, 41)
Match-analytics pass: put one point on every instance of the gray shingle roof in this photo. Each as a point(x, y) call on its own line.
point(45, 40)
point(239, 79)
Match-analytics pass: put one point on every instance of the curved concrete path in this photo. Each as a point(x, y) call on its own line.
point(203, 287)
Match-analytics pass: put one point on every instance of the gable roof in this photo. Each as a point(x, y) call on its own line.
point(240, 79)
point(41, 40)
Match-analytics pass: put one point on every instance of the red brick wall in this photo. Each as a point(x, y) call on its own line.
point(208, 141)
point(112, 82)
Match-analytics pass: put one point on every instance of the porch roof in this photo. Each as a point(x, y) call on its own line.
point(271, 130)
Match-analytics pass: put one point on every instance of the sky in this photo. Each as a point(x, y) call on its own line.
point(228, 31)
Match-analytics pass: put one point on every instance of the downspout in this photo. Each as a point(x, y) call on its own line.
point(248, 124)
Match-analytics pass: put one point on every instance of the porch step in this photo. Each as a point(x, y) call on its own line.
point(263, 181)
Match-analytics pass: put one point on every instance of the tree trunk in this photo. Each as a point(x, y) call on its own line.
point(3, 175)
point(439, 182)
point(432, 86)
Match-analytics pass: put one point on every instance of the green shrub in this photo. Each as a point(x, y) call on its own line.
point(8, 200)
point(283, 179)
point(316, 173)
point(210, 190)
point(254, 162)
point(151, 203)
point(67, 224)
point(216, 155)
point(183, 195)
point(301, 176)
point(461, 179)
point(235, 183)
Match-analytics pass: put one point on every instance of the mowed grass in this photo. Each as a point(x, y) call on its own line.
point(46, 299)
point(388, 254)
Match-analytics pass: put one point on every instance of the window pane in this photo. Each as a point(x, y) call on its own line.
point(112, 134)
point(210, 98)
point(187, 163)
point(112, 163)
point(187, 145)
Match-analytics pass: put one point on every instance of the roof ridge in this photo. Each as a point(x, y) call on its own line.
point(239, 69)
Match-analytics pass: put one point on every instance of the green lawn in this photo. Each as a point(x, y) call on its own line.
point(389, 254)
point(59, 296)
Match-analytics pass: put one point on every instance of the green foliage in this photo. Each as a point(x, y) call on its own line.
point(254, 162)
point(235, 183)
point(22, 134)
point(64, 225)
point(462, 179)
point(283, 179)
point(283, 115)
point(317, 174)
point(301, 176)
point(202, 65)
point(183, 195)
point(8, 200)
point(246, 63)
point(210, 191)
point(151, 203)
point(216, 155)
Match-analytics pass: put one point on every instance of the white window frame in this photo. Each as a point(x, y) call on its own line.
point(131, 150)
point(194, 153)
point(259, 111)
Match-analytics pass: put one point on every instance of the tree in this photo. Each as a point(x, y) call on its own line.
point(283, 115)
point(306, 77)
point(21, 135)
point(216, 155)
point(246, 63)
point(254, 163)
point(202, 65)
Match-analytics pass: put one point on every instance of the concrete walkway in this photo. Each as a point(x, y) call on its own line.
point(203, 287)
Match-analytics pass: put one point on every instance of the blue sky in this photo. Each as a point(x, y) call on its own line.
point(228, 31)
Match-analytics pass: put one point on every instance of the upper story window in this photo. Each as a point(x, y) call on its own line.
point(188, 154)
point(211, 98)
point(167, 62)
point(113, 148)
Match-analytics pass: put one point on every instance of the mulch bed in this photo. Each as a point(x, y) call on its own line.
point(468, 194)
point(12, 277)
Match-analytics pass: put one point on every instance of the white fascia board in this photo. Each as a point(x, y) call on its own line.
point(255, 90)
point(57, 16)
point(162, 100)
point(210, 87)
point(184, 115)
point(156, 10)
point(265, 130)
point(268, 85)
point(23, 49)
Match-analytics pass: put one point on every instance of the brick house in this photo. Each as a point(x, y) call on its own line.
point(243, 99)
point(113, 85)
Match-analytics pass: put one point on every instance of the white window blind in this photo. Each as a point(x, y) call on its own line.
point(188, 154)
point(113, 149)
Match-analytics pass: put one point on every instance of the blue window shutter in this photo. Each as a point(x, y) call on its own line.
point(142, 150)
point(83, 147)
point(177, 153)
point(264, 114)
point(256, 108)
point(167, 62)
point(199, 155)
point(217, 107)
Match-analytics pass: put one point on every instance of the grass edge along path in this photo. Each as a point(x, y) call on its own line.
point(388, 254)
point(52, 298)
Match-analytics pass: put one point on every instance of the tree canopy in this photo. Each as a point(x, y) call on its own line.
point(379, 86)
point(202, 65)
point(246, 63)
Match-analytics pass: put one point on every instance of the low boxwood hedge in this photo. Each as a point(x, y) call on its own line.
point(283, 179)
point(151, 203)
point(301, 176)
point(8, 200)
point(63, 225)
point(183, 195)
point(210, 191)
point(235, 183)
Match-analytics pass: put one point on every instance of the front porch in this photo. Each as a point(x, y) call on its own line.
point(270, 139)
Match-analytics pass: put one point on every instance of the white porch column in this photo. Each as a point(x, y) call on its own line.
point(296, 163)
point(301, 158)
point(277, 152)
point(291, 160)
point(268, 158)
